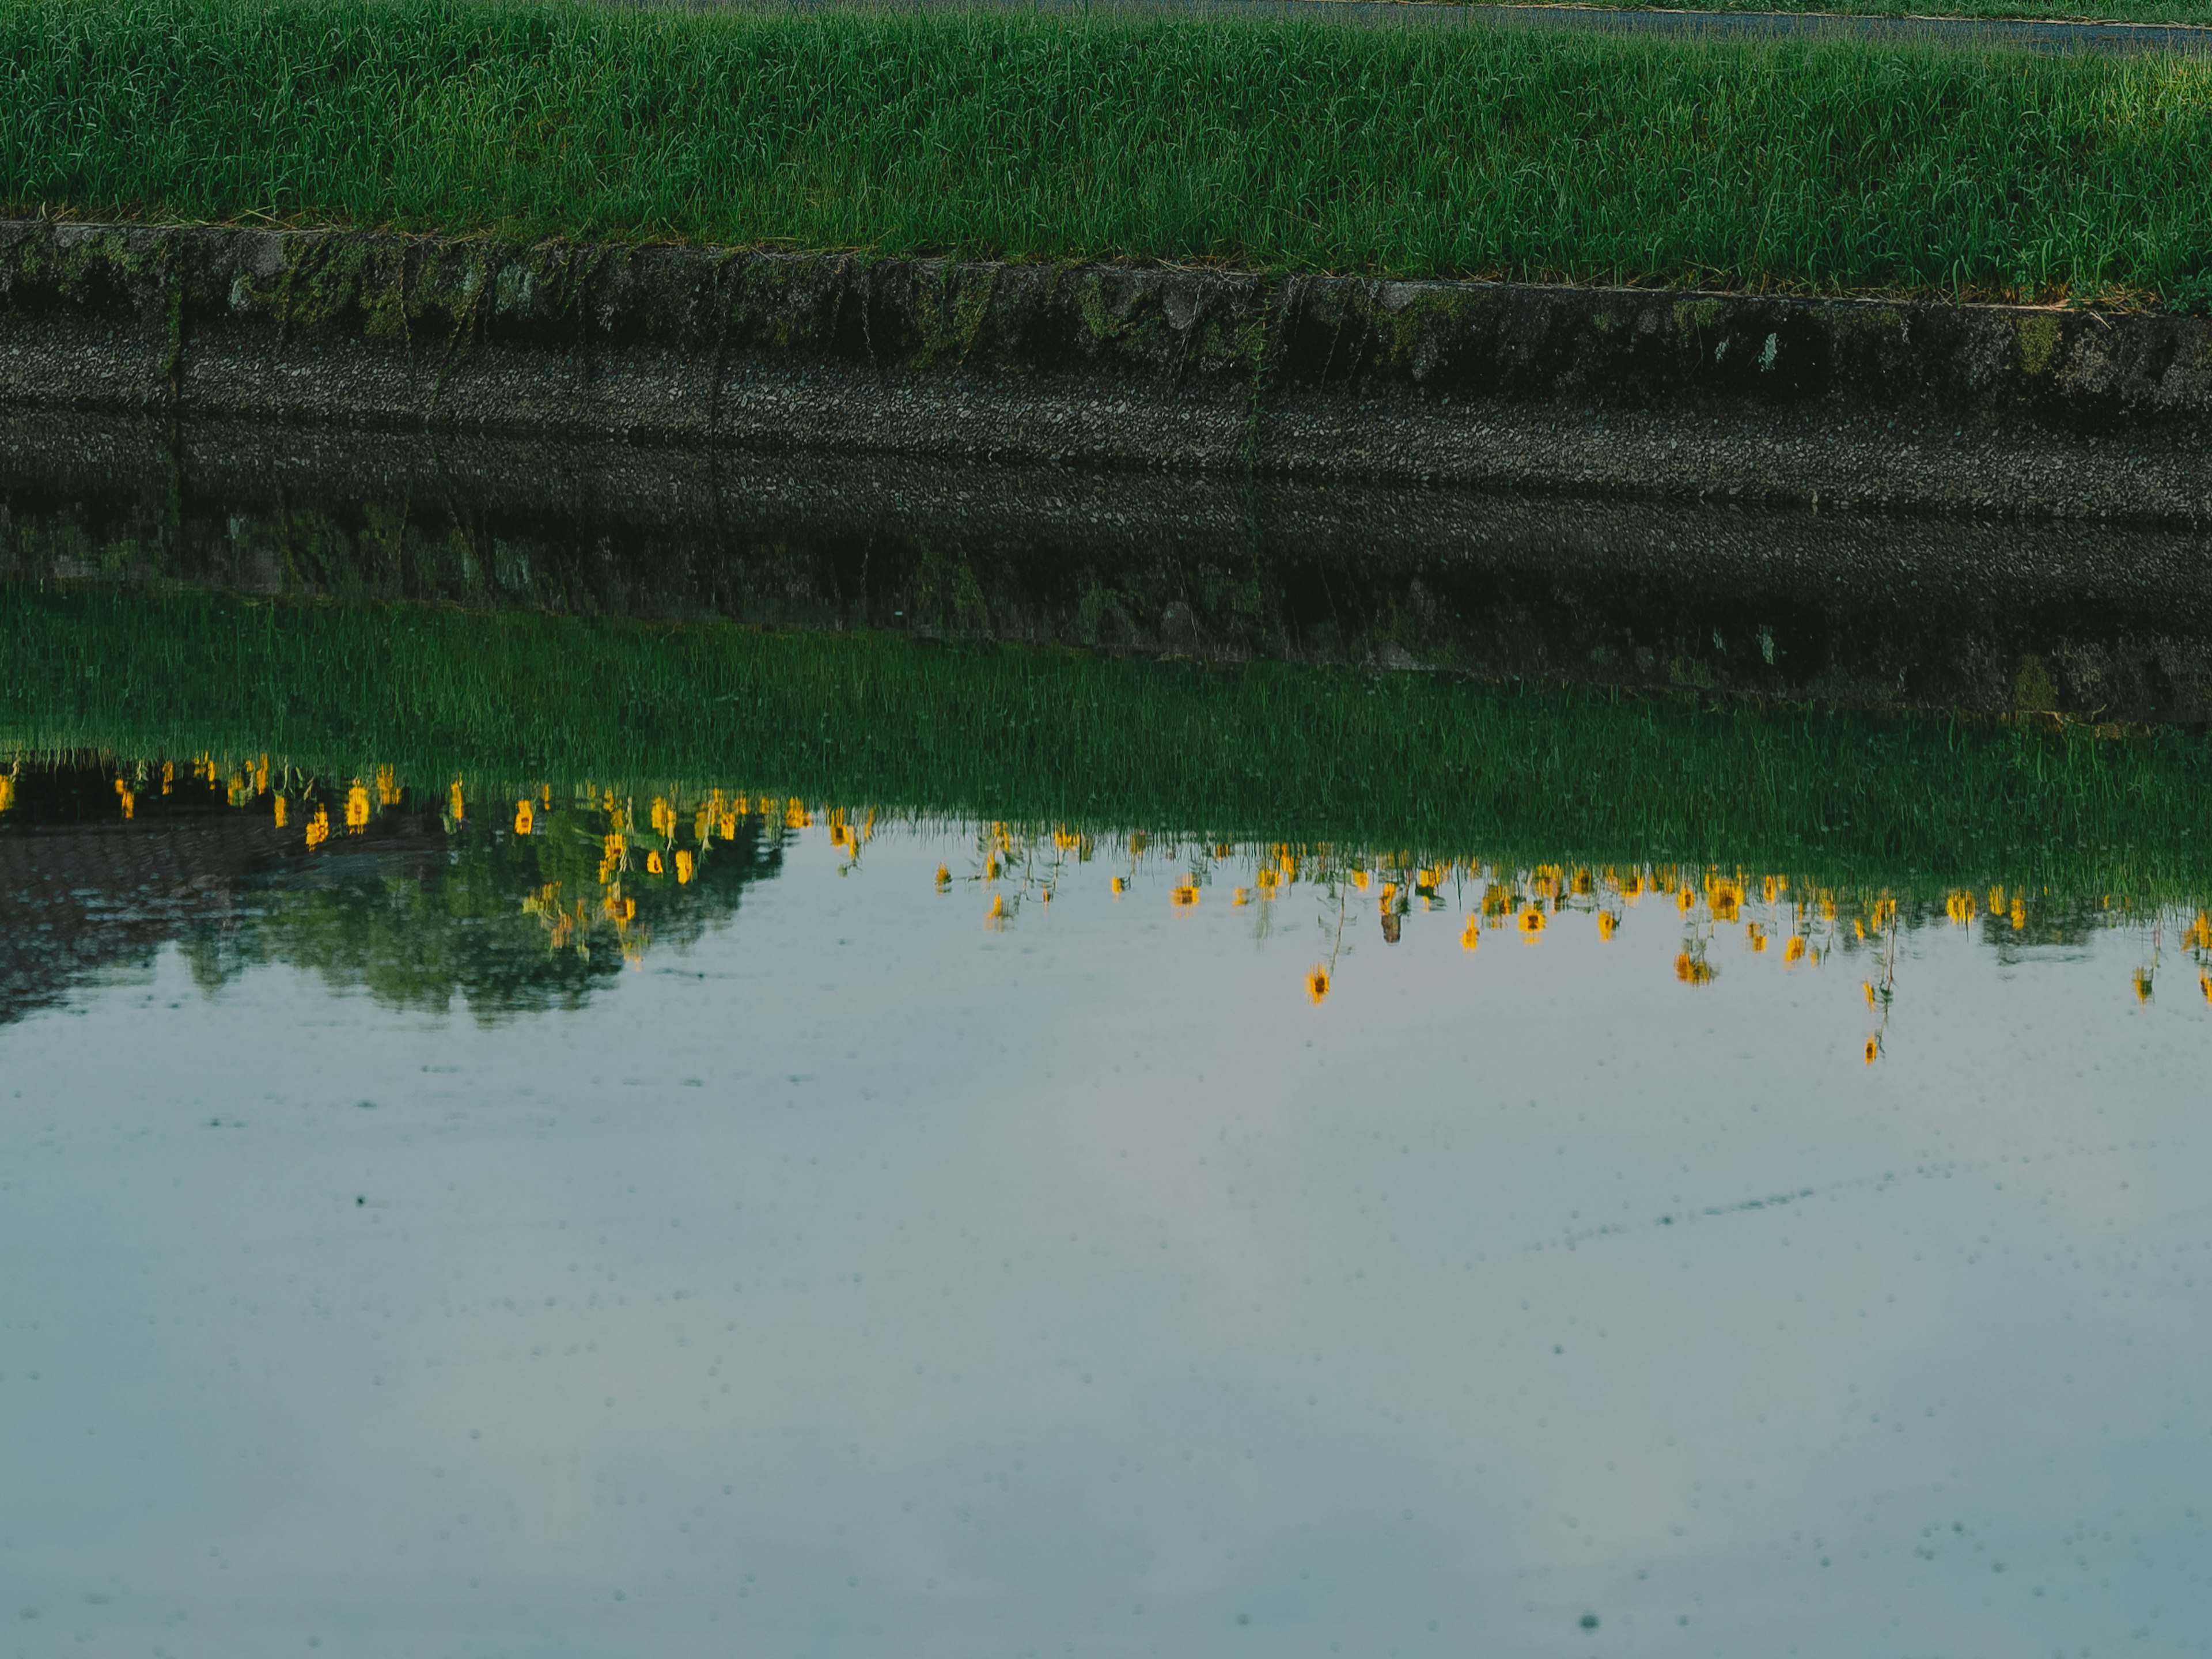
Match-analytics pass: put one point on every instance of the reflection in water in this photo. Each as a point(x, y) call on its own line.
point(907, 1186)
point(919, 1264)
point(2103, 624)
point(542, 893)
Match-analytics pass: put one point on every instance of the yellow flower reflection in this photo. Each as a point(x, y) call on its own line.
point(1873, 1049)
point(684, 867)
point(525, 816)
point(1531, 924)
point(456, 808)
point(356, 809)
point(1183, 896)
point(1316, 983)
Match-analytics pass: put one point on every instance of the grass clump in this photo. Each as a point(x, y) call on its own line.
point(1281, 145)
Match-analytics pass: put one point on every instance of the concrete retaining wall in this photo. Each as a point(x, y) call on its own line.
point(1977, 410)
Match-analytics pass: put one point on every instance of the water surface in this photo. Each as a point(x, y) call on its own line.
point(561, 1183)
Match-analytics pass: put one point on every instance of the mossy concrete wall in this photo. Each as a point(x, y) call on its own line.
point(1982, 409)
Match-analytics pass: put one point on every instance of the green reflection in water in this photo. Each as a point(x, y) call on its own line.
point(1428, 763)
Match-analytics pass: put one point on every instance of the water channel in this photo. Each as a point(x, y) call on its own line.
point(482, 1198)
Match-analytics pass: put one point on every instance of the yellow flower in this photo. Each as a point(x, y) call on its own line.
point(1794, 951)
point(524, 816)
point(1605, 924)
point(1359, 879)
point(454, 801)
point(1532, 923)
point(1240, 897)
point(279, 812)
point(1471, 935)
point(318, 827)
point(653, 862)
point(387, 785)
point(1756, 935)
point(2143, 985)
point(1692, 970)
point(356, 809)
point(1316, 983)
point(1183, 895)
point(683, 867)
point(727, 826)
point(2019, 913)
point(2204, 984)
point(1868, 987)
point(1119, 886)
point(944, 879)
point(664, 816)
point(1873, 1049)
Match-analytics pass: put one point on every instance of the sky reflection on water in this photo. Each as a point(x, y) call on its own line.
point(856, 1278)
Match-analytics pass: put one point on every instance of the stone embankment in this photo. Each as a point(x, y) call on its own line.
point(1846, 403)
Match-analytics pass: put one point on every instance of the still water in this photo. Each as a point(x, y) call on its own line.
point(914, 1237)
point(564, 1219)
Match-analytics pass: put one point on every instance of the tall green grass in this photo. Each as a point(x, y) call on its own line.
point(1256, 751)
point(1276, 144)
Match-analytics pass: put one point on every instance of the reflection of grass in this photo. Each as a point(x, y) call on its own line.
point(1267, 751)
point(1275, 143)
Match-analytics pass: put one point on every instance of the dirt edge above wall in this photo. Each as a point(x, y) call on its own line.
point(1984, 411)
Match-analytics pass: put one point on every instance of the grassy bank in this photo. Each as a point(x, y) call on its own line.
point(1509, 154)
point(1410, 761)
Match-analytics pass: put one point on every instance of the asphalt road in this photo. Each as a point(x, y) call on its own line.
point(2038, 36)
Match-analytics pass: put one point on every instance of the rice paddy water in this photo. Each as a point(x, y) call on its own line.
point(545, 1109)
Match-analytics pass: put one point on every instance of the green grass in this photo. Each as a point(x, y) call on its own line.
point(1268, 752)
point(1511, 152)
